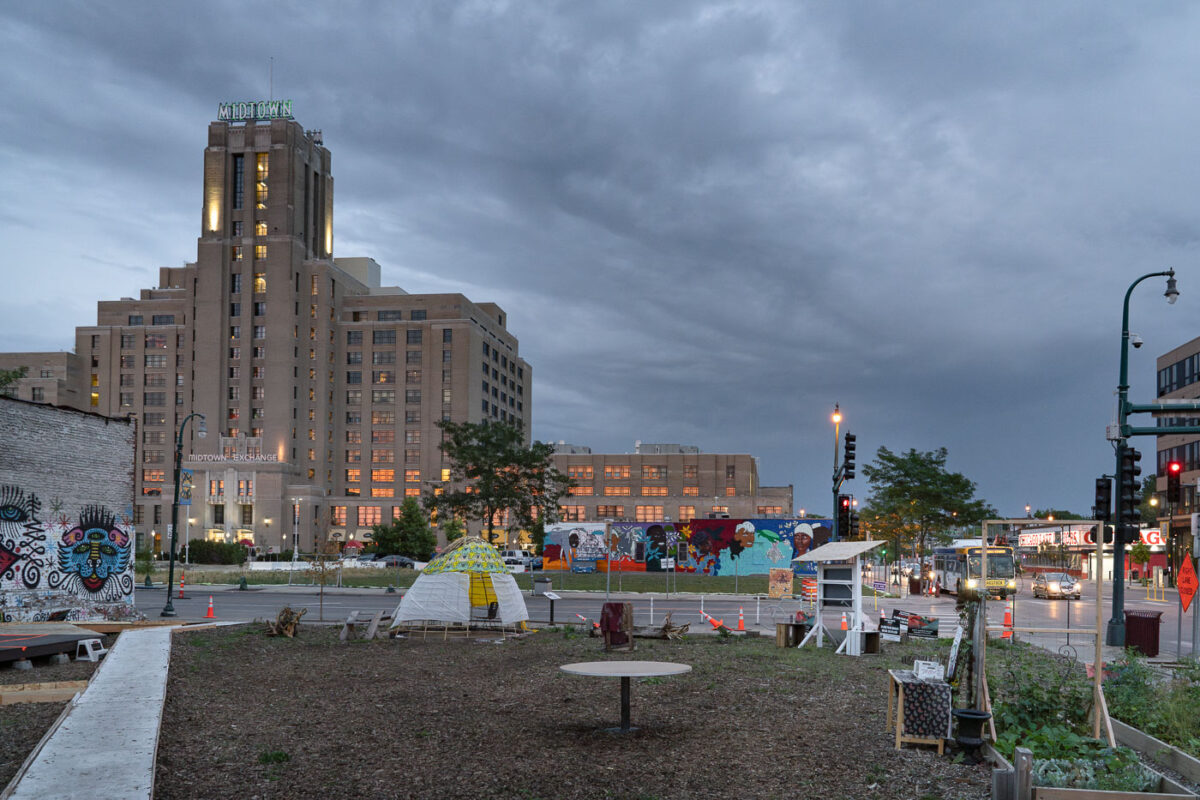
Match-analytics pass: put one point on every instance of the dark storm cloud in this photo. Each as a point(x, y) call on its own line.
point(707, 221)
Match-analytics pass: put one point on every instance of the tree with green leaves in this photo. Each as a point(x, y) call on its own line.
point(408, 535)
point(1149, 510)
point(9, 378)
point(1140, 554)
point(494, 474)
point(914, 499)
point(453, 529)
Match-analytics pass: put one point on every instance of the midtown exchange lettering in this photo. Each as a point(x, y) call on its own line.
point(266, 457)
point(254, 109)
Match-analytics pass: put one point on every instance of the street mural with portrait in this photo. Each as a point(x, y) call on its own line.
point(699, 546)
point(63, 564)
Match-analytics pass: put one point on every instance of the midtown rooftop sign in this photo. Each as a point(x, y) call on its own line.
point(260, 109)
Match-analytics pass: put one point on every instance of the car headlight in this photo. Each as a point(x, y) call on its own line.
point(972, 583)
point(1012, 584)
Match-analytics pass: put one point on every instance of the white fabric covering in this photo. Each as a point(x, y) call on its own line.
point(444, 597)
point(509, 598)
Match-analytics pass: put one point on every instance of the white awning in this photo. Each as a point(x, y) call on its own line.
point(839, 551)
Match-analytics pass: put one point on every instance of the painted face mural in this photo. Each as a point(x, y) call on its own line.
point(22, 538)
point(95, 555)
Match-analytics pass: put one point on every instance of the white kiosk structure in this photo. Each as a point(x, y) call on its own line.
point(839, 564)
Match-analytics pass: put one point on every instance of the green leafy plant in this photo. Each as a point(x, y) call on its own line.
point(273, 757)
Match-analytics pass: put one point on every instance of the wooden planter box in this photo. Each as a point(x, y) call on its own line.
point(1015, 782)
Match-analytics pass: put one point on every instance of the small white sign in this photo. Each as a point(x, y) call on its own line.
point(667, 563)
point(551, 596)
point(929, 670)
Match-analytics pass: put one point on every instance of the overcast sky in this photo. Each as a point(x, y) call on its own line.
point(708, 222)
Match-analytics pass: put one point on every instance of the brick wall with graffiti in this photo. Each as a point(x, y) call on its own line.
point(701, 546)
point(66, 498)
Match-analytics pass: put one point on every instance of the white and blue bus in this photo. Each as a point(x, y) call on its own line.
point(957, 568)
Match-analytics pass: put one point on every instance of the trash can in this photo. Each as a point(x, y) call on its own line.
point(541, 585)
point(914, 585)
point(1141, 631)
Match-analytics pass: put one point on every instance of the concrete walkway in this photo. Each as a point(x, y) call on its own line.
point(105, 746)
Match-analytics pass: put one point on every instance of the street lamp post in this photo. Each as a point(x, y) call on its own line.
point(201, 432)
point(1115, 635)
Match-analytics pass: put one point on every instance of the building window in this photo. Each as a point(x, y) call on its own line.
point(573, 513)
point(260, 352)
point(260, 309)
point(260, 282)
point(260, 229)
point(354, 338)
point(412, 417)
point(616, 491)
point(387, 417)
point(154, 399)
point(446, 396)
point(604, 512)
point(260, 331)
point(412, 476)
point(383, 457)
point(353, 437)
point(445, 474)
point(384, 491)
point(648, 513)
point(353, 456)
point(262, 169)
point(162, 319)
point(238, 180)
point(720, 509)
point(689, 472)
point(654, 491)
point(337, 515)
point(412, 437)
point(383, 337)
point(770, 509)
point(691, 491)
point(387, 396)
point(353, 397)
point(383, 476)
point(687, 513)
point(154, 475)
point(152, 457)
point(617, 471)
point(354, 378)
point(581, 491)
point(447, 336)
point(730, 473)
point(134, 319)
point(412, 456)
point(580, 471)
point(414, 336)
point(383, 376)
point(369, 515)
point(418, 315)
point(383, 436)
point(235, 309)
point(390, 315)
point(353, 475)
point(154, 419)
point(654, 473)
point(412, 395)
point(156, 361)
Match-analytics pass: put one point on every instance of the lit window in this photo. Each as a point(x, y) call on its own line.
point(691, 491)
point(573, 513)
point(581, 491)
point(651, 473)
point(580, 471)
point(445, 473)
point(353, 475)
point(412, 491)
point(412, 475)
point(604, 512)
point(260, 281)
point(263, 162)
point(648, 513)
point(260, 252)
point(339, 515)
point(260, 227)
point(369, 515)
point(617, 471)
point(730, 491)
point(654, 491)
point(616, 491)
point(382, 491)
point(687, 513)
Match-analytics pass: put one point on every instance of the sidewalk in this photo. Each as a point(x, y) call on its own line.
point(105, 746)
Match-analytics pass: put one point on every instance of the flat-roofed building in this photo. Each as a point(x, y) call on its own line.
point(1179, 378)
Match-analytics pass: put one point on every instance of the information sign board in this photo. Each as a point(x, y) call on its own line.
point(185, 487)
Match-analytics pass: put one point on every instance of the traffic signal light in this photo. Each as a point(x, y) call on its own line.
point(1128, 525)
point(1174, 468)
point(853, 525)
point(1103, 508)
point(848, 457)
point(843, 516)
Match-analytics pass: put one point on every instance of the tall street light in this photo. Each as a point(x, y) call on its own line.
point(1115, 635)
point(201, 432)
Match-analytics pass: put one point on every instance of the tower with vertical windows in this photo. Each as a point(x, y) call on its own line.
point(320, 387)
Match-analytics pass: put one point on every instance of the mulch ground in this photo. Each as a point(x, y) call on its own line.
point(260, 717)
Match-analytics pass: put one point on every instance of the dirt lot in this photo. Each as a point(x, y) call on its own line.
point(258, 717)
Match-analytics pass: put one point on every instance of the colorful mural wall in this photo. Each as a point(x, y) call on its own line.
point(701, 546)
point(66, 534)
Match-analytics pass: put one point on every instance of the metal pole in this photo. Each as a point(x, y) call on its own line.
point(1116, 625)
point(169, 608)
point(1195, 616)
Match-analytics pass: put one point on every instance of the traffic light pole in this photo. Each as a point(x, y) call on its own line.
point(1115, 635)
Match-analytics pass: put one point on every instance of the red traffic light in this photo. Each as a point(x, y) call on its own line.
point(845, 502)
point(1174, 466)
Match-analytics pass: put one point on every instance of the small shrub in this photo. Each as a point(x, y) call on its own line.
point(273, 757)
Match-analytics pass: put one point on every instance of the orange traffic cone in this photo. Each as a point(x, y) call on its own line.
point(741, 620)
point(1008, 622)
point(210, 614)
point(181, 584)
point(844, 626)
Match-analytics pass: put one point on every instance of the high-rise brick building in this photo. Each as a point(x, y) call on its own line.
point(320, 388)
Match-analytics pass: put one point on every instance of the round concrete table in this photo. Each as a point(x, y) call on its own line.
point(626, 670)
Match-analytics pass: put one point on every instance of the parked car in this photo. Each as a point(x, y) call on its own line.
point(1056, 584)
point(536, 563)
point(396, 561)
point(516, 558)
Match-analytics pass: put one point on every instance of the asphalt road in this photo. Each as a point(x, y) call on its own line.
point(231, 604)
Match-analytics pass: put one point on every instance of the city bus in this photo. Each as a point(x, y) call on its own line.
point(957, 567)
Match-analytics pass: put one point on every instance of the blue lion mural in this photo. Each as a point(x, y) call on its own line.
point(94, 555)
